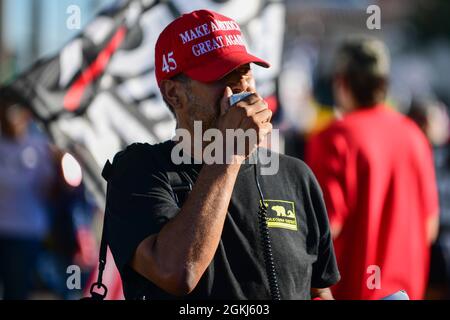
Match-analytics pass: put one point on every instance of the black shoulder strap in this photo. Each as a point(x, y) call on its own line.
point(181, 185)
point(107, 171)
point(106, 174)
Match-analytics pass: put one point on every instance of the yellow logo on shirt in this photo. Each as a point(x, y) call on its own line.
point(281, 214)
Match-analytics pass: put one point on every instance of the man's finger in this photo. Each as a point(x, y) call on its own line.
point(224, 102)
point(256, 108)
point(263, 116)
point(264, 131)
point(251, 99)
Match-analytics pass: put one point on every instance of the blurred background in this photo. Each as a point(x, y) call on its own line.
point(84, 68)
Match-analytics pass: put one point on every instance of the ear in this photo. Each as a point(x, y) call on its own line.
point(173, 93)
point(343, 96)
point(338, 82)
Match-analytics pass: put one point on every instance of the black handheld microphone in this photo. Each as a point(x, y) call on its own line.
point(262, 216)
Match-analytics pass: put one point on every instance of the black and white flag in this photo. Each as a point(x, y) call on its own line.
point(99, 93)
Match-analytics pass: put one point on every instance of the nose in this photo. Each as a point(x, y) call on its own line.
point(241, 84)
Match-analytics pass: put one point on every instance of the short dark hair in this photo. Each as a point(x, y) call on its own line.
point(419, 111)
point(10, 96)
point(363, 64)
point(10, 99)
point(181, 77)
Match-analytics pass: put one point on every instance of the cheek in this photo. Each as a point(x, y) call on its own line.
point(212, 99)
point(201, 108)
point(205, 102)
point(252, 84)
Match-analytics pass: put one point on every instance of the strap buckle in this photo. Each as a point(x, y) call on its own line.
point(97, 295)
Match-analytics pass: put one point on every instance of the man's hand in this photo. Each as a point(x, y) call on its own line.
point(321, 294)
point(252, 114)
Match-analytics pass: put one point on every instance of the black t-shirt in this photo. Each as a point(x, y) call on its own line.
point(140, 201)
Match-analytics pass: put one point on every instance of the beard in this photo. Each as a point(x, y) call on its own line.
point(207, 114)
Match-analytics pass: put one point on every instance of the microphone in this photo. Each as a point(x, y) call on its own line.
point(237, 97)
point(266, 241)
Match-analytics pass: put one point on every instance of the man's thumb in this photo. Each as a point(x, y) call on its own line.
point(225, 103)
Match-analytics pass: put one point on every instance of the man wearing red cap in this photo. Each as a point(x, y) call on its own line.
point(209, 246)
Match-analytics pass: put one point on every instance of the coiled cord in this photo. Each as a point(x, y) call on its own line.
point(266, 241)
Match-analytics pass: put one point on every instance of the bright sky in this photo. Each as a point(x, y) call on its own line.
point(53, 32)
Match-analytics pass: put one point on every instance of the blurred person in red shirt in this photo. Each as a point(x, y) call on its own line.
point(376, 170)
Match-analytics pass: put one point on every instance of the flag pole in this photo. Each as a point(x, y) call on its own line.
point(36, 30)
point(2, 53)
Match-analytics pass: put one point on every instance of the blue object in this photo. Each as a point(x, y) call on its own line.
point(235, 98)
point(399, 295)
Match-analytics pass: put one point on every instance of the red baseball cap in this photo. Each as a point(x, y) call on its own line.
point(203, 45)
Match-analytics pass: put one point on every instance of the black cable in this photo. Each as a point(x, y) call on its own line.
point(266, 241)
point(262, 219)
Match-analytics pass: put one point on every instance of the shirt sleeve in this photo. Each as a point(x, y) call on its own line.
point(326, 156)
point(139, 203)
point(325, 272)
